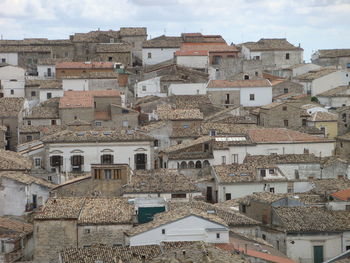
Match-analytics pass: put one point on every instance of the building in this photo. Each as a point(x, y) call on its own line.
point(43, 89)
point(343, 119)
point(285, 87)
point(248, 93)
point(77, 69)
point(296, 70)
point(75, 151)
point(332, 57)
point(16, 240)
point(180, 225)
point(343, 143)
point(326, 122)
point(106, 179)
point(164, 183)
point(11, 113)
point(318, 81)
point(12, 82)
point(275, 53)
point(335, 98)
point(76, 222)
point(159, 49)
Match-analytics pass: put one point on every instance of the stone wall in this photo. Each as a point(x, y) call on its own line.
point(286, 87)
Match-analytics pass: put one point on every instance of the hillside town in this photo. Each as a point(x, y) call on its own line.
point(118, 147)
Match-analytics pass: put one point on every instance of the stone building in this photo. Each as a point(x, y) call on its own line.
point(332, 57)
point(43, 89)
point(77, 69)
point(11, 113)
point(337, 97)
point(275, 53)
point(282, 86)
point(16, 239)
point(343, 146)
point(106, 179)
point(77, 222)
point(343, 119)
point(12, 82)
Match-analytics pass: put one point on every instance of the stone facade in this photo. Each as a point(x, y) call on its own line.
point(343, 120)
point(286, 87)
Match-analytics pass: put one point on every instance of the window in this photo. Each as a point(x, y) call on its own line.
point(256, 73)
point(77, 161)
point(111, 40)
point(223, 159)
point(244, 208)
point(149, 55)
point(262, 172)
point(285, 90)
point(156, 143)
point(29, 138)
point(217, 235)
point(107, 159)
point(285, 123)
point(263, 236)
point(12, 92)
point(178, 195)
point(98, 123)
point(49, 95)
point(296, 173)
point(66, 54)
point(3, 60)
point(284, 108)
point(49, 178)
point(29, 61)
point(228, 196)
point(186, 126)
point(323, 129)
point(108, 174)
point(246, 77)
point(29, 123)
point(306, 151)
point(56, 160)
point(212, 132)
point(87, 231)
point(33, 93)
point(125, 111)
point(252, 96)
point(216, 60)
point(110, 59)
point(271, 171)
point(256, 57)
point(272, 189)
point(163, 231)
point(206, 147)
point(303, 122)
point(287, 56)
point(125, 124)
point(37, 162)
point(234, 158)
point(347, 208)
point(53, 122)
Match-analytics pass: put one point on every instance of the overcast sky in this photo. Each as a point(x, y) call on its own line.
point(315, 24)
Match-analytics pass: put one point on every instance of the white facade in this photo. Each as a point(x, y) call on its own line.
point(327, 82)
point(151, 56)
point(12, 81)
point(304, 68)
point(199, 62)
point(190, 228)
point(164, 196)
point(318, 148)
point(75, 84)
point(123, 152)
point(249, 96)
point(46, 71)
point(15, 196)
point(149, 87)
point(187, 89)
point(9, 58)
point(45, 94)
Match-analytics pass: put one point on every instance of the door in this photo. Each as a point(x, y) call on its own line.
point(49, 72)
point(35, 204)
point(209, 194)
point(318, 254)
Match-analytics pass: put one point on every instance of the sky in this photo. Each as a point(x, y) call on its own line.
point(315, 24)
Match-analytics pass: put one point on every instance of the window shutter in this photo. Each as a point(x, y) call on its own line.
point(101, 158)
point(72, 160)
point(51, 160)
point(61, 160)
point(112, 158)
point(81, 160)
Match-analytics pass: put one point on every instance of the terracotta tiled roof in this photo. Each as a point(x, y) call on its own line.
point(174, 215)
point(10, 160)
point(52, 61)
point(341, 91)
point(167, 113)
point(62, 208)
point(44, 83)
point(279, 135)
point(323, 116)
point(235, 173)
point(160, 181)
point(312, 219)
point(281, 159)
point(266, 44)
point(10, 107)
point(239, 83)
point(187, 144)
point(25, 49)
point(97, 136)
point(106, 211)
point(26, 178)
point(113, 48)
point(163, 42)
point(84, 99)
point(14, 229)
point(84, 65)
point(315, 74)
point(42, 113)
point(333, 53)
point(93, 36)
point(328, 186)
point(94, 75)
point(180, 53)
point(133, 31)
point(343, 195)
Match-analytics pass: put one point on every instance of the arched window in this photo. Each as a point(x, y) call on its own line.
point(107, 159)
point(183, 165)
point(206, 163)
point(198, 164)
point(140, 161)
point(191, 164)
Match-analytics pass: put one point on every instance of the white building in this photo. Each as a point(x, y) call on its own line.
point(180, 225)
point(159, 49)
point(248, 93)
point(197, 59)
point(337, 97)
point(149, 87)
point(9, 58)
point(319, 81)
point(21, 192)
point(70, 151)
point(46, 71)
point(12, 81)
point(187, 89)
